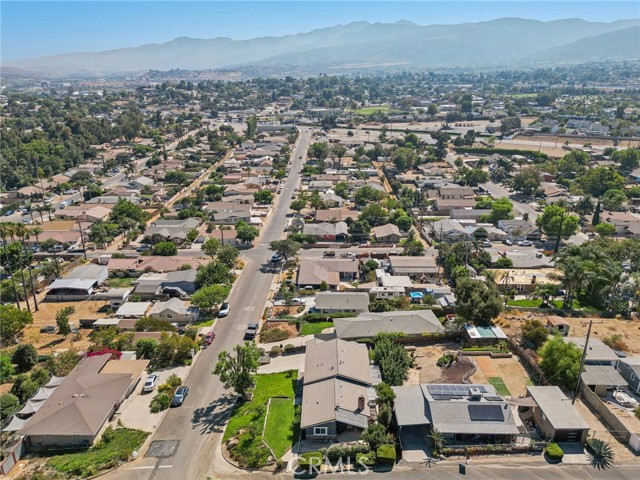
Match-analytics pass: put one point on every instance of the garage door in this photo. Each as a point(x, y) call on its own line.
point(567, 436)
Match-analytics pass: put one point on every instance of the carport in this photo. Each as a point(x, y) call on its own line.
point(410, 410)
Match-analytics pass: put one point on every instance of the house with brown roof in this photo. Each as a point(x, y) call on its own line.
point(388, 233)
point(312, 272)
point(153, 263)
point(336, 215)
point(77, 410)
point(337, 395)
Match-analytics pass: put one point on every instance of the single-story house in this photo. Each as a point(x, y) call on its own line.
point(520, 230)
point(386, 292)
point(422, 267)
point(175, 310)
point(337, 395)
point(312, 272)
point(333, 232)
point(115, 296)
point(556, 417)
point(369, 324)
point(336, 215)
point(150, 285)
point(78, 408)
point(79, 284)
point(629, 368)
point(133, 310)
point(602, 379)
point(388, 233)
point(523, 280)
point(448, 230)
point(331, 302)
point(598, 353)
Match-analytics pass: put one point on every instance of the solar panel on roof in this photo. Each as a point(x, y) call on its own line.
point(453, 390)
point(486, 413)
point(493, 398)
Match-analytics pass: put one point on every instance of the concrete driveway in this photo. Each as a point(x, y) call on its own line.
point(415, 446)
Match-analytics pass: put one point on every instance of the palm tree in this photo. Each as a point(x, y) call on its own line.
point(23, 234)
point(599, 454)
point(4, 233)
point(437, 440)
point(37, 231)
point(39, 209)
point(12, 229)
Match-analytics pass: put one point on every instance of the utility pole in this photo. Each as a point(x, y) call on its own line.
point(84, 248)
point(582, 360)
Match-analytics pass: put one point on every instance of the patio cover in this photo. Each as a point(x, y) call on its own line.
point(42, 394)
point(54, 381)
point(30, 407)
point(523, 402)
point(15, 424)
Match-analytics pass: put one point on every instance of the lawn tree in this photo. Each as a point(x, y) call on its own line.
point(62, 320)
point(476, 301)
point(246, 233)
point(211, 246)
point(228, 255)
point(561, 362)
point(9, 404)
point(208, 297)
point(213, 273)
point(25, 356)
point(165, 249)
point(237, 371)
point(527, 182)
point(555, 217)
point(287, 248)
point(13, 322)
point(148, 324)
point(263, 196)
point(534, 333)
point(375, 435)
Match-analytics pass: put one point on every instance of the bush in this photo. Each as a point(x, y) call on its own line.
point(166, 389)
point(554, 452)
point(310, 459)
point(160, 402)
point(444, 361)
point(637, 412)
point(275, 350)
point(366, 459)
point(386, 455)
point(346, 452)
point(288, 348)
point(25, 356)
point(174, 381)
point(273, 335)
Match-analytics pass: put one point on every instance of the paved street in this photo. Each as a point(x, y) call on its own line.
point(497, 191)
point(198, 425)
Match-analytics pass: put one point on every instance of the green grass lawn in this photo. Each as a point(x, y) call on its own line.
point(311, 328)
point(581, 303)
point(525, 303)
point(370, 110)
point(120, 282)
point(250, 416)
point(498, 384)
point(111, 451)
point(278, 431)
point(205, 323)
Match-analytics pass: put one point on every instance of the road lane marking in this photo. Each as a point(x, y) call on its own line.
point(141, 468)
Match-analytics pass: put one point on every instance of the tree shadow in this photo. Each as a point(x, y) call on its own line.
point(211, 419)
point(55, 342)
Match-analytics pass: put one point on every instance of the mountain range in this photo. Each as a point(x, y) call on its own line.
point(362, 45)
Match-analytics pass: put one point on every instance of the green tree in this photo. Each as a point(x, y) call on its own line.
point(393, 359)
point(299, 204)
point(6, 368)
point(605, 229)
point(534, 333)
point(437, 440)
point(13, 322)
point(62, 320)
point(9, 404)
point(210, 296)
point(238, 372)
point(598, 180)
point(476, 301)
point(342, 190)
point(501, 209)
point(503, 262)
point(319, 151)
point(211, 246)
point(263, 196)
point(287, 248)
point(149, 324)
point(24, 387)
point(385, 394)
point(561, 362)
point(584, 206)
point(252, 126)
point(146, 348)
point(527, 182)
point(165, 249)
point(627, 160)
point(25, 356)
point(192, 235)
point(367, 194)
point(228, 255)
point(213, 273)
point(246, 233)
point(552, 217)
point(613, 199)
point(374, 214)
point(375, 435)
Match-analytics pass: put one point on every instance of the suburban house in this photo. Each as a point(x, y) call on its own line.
point(172, 230)
point(598, 353)
point(152, 285)
point(520, 230)
point(369, 324)
point(556, 417)
point(79, 284)
point(448, 230)
point(602, 379)
point(423, 267)
point(133, 310)
point(134, 267)
point(332, 200)
point(629, 368)
point(332, 302)
point(115, 296)
point(142, 182)
point(174, 310)
point(337, 395)
point(229, 212)
point(336, 215)
point(313, 272)
point(523, 279)
point(77, 409)
point(388, 233)
point(451, 197)
point(332, 232)
point(226, 236)
point(463, 413)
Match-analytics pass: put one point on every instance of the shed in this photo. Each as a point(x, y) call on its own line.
point(133, 309)
point(556, 417)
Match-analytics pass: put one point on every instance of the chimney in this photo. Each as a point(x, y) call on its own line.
point(361, 402)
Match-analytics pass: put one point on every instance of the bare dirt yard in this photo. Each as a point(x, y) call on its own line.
point(290, 330)
point(427, 370)
point(48, 343)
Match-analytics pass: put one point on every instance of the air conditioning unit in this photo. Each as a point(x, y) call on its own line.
point(475, 393)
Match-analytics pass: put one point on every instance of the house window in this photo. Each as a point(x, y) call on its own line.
point(543, 416)
point(169, 316)
point(633, 377)
point(320, 431)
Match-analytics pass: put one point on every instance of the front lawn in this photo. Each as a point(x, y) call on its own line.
point(499, 385)
point(114, 448)
point(311, 328)
point(204, 323)
point(120, 282)
point(247, 421)
point(278, 431)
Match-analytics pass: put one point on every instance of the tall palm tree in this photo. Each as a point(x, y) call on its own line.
point(37, 231)
point(12, 232)
point(599, 454)
point(4, 233)
point(39, 209)
point(23, 233)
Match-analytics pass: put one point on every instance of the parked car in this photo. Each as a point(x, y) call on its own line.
point(329, 253)
point(179, 396)
point(208, 339)
point(506, 241)
point(251, 331)
point(143, 248)
point(8, 213)
point(150, 383)
point(224, 310)
point(525, 243)
point(56, 249)
point(486, 244)
point(48, 329)
point(276, 257)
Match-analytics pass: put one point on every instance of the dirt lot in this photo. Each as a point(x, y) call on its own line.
point(512, 321)
point(290, 329)
point(49, 343)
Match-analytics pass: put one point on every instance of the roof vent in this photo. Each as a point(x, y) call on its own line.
point(475, 393)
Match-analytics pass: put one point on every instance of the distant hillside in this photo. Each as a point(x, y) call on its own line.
point(507, 41)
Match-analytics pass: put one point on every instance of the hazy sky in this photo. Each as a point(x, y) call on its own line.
point(36, 28)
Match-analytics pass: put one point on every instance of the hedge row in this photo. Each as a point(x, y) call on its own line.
point(503, 151)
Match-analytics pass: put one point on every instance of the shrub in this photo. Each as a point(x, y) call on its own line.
point(273, 335)
point(25, 356)
point(444, 361)
point(310, 459)
point(288, 348)
point(346, 452)
point(637, 412)
point(366, 459)
point(554, 452)
point(386, 454)
point(174, 381)
point(275, 350)
point(160, 402)
point(615, 341)
point(166, 389)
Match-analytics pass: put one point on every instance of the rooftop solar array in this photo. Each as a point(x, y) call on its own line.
point(453, 390)
point(486, 413)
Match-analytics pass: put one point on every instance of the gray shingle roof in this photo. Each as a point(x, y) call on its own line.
point(602, 375)
point(336, 358)
point(358, 301)
point(557, 408)
point(410, 406)
point(410, 322)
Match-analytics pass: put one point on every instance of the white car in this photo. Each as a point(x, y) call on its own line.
point(525, 243)
point(151, 383)
point(224, 310)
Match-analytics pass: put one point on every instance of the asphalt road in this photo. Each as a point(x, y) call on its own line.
point(196, 427)
point(498, 191)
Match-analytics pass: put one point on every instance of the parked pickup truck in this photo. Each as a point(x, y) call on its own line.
point(329, 253)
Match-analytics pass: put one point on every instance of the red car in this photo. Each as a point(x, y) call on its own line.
point(209, 337)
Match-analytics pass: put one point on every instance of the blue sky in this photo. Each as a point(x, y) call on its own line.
point(36, 28)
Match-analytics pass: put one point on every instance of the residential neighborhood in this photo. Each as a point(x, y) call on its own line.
point(327, 275)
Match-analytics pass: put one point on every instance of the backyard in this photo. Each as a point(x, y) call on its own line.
point(120, 282)
point(312, 328)
point(243, 432)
